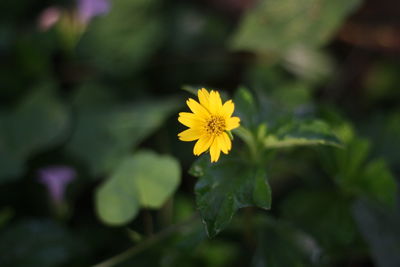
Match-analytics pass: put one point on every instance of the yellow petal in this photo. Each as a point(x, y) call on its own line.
point(190, 134)
point(215, 103)
point(190, 120)
point(232, 123)
point(215, 151)
point(228, 141)
point(202, 144)
point(198, 109)
point(204, 98)
point(227, 109)
point(224, 143)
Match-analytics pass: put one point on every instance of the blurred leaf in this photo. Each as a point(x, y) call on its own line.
point(279, 97)
point(346, 164)
point(310, 64)
point(323, 214)
point(384, 131)
point(184, 208)
point(94, 95)
point(226, 186)
point(245, 107)
point(39, 122)
point(301, 133)
point(358, 177)
point(190, 89)
point(192, 249)
point(278, 25)
point(381, 81)
point(142, 180)
point(219, 253)
point(380, 228)
point(184, 249)
point(6, 214)
point(191, 29)
point(378, 182)
point(352, 158)
point(120, 42)
point(116, 203)
point(293, 96)
point(39, 243)
point(106, 134)
point(280, 244)
point(136, 237)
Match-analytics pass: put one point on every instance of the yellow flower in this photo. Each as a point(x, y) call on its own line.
point(209, 123)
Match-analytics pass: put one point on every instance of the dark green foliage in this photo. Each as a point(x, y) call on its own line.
point(356, 176)
point(39, 243)
point(280, 244)
point(325, 215)
point(311, 179)
point(278, 25)
point(118, 130)
point(39, 122)
point(225, 187)
point(124, 40)
point(379, 227)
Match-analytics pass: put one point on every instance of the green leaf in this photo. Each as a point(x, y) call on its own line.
point(115, 202)
point(6, 214)
point(309, 64)
point(291, 96)
point(314, 132)
point(378, 182)
point(190, 89)
point(278, 25)
point(358, 177)
point(380, 228)
point(142, 180)
point(40, 243)
point(324, 214)
point(120, 43)
point(346, 164)
point(226, 186)
point(219, 253)
point(245, 107)
point(106, 134)
point(281, 244)
point(39, 122)
point(384, 131)
point(353, 157)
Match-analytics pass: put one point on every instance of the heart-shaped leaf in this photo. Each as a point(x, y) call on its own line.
point(142, 180)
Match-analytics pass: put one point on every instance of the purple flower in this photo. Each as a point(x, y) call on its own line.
point(48, 18)
point(91, 8)
point(56, 179)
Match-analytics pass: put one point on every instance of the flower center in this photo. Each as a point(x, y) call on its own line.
point(215, 125)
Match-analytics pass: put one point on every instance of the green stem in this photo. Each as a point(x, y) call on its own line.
point(244, 134)
point(147, 243)
point(148, 222)
point(167, 212)
point(248, 231)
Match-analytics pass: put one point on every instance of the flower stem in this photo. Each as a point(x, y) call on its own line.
point(147, 243)
point(246, 135)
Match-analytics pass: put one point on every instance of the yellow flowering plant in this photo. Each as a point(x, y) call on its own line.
point(238, 180)
point(209, 124)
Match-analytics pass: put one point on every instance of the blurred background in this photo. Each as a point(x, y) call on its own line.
point(86, 84)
